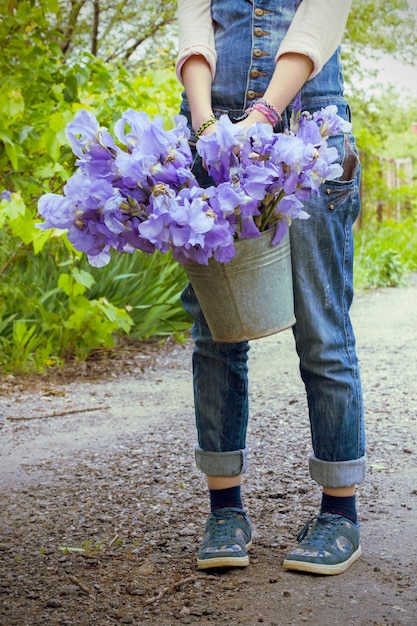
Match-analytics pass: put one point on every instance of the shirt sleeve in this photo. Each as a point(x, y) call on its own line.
point(196, 33)
point(316, 30)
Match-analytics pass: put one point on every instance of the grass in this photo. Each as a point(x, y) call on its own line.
point(149, 288)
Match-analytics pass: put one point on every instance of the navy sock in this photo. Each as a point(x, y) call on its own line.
point(340, 506)
point(220, 498)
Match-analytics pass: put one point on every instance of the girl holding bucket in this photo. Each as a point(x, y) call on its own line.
point(249, 59)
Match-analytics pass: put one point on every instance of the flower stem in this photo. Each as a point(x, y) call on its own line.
point(269, 206)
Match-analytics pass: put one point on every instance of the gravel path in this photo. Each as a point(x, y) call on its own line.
point(102, 509)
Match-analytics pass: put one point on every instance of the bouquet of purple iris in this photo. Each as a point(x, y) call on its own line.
point(137, 191)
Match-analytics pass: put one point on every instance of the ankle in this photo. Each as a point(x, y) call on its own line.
point(230, 497)
point(344, 506)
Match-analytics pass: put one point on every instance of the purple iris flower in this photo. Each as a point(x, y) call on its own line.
point(310, 133)
point(101, 259)
point(156, 231)
point(113, 216)
point(134, 239)
point(156, 227)
point(191, 220)
point(89, 195)
point(280, 232)
point(57, 211)
point(87, 138)
point(198, 231)
point(133, 170)
point(141, 193)
point(85, 238)
point(131, 126)
point(218, 149)
point(6, 195)
point(259, 177)
point(330, 122)
point(290, 206)
point(227, 200)
point(248, 229)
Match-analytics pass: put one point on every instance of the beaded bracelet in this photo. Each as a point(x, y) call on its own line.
point(266, 108)
point(205, 125)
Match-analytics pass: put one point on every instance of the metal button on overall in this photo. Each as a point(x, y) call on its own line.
point(251, 94)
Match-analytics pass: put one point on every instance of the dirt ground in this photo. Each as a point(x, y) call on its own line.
point(102, 509)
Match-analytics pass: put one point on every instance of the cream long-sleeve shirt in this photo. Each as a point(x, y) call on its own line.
point(316, 31)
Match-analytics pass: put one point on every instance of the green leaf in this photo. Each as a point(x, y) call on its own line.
point(72, 289)
point(12, 209)
point(52, 6)
point(12, 104)
point(23, 228)
point(379, 467)
point(6, 137)
point(11, 152)
point(41, 237)
point(65, 283)
point(69, 549)
point(82, 277)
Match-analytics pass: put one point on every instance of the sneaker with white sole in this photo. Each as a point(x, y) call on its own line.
point(328, 544)
point(227, 539)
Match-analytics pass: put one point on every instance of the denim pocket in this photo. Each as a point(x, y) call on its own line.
point(338, 192)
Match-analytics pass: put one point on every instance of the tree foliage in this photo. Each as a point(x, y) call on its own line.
point(376, 28)
point(127, 30)
point(382, 26)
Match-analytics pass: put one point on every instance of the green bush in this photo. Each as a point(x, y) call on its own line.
point(385, 253)
point(53, 306)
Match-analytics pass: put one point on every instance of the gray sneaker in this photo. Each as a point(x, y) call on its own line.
point(227, 539)
point(331, 546)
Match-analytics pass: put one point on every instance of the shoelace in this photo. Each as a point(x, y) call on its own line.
point(221, 528)
point(325, 526)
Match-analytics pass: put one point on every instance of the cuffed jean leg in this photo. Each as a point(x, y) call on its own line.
point(220, 382)
point(322, 257)
point(231, 463)
point(337, 473)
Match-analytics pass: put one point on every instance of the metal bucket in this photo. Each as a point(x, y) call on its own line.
point(249, 297)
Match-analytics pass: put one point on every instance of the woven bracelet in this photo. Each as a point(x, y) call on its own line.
point(205, 125)
point(263, 106)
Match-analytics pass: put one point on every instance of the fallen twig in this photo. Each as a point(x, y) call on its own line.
point(179, 583)
point(115, 538)
point(80, 585)
point(57, 414)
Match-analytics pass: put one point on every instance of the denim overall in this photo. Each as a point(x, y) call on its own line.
point(247, 37)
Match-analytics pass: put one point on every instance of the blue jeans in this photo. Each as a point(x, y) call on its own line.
point(322, 262)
